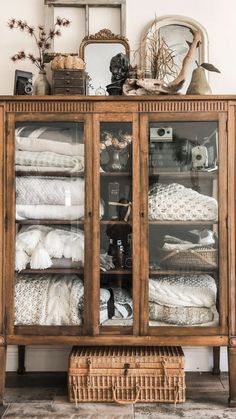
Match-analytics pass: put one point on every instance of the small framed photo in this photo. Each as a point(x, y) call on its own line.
point(23, 83)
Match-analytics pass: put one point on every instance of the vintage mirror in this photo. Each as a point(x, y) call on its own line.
point(97, 50)
point(165, 43)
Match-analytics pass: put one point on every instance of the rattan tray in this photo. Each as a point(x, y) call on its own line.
point(198, 258)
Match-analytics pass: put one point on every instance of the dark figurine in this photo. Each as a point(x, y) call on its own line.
point(119, 67)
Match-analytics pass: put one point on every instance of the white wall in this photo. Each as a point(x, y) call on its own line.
point(218, 18)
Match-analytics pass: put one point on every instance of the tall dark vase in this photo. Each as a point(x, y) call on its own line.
point(41, 84)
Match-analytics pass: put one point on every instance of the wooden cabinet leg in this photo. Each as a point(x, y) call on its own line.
point(232, 376)
point(2, 371)
point(21, 359)
point(216, 360)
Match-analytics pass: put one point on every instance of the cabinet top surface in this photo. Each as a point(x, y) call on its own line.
point(74, 98)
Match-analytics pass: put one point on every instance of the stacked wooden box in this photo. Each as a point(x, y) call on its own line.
point(68, 82)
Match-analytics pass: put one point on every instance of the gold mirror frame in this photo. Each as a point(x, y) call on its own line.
point(104, 36)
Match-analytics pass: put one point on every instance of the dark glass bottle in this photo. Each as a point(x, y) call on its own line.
point(120, 255)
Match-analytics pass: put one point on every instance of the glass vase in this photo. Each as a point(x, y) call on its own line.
point(41, 84)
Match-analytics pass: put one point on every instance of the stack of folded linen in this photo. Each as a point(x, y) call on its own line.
point(182, 300)
point(40, 247)
point(49, 198)
point(44, 149)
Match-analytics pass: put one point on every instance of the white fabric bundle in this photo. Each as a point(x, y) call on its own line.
point(48, 300)
point(176, 202)
point(31, 190)
point(36, 141)
point(37, 245)
point(176, 292)
point(49, 159)
point(49, 212)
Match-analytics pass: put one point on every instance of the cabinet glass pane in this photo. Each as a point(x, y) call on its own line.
point(49, 214)
point(183, 224)
point(116, 306)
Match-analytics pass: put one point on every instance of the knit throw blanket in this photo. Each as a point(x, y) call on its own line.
point(176, 202)
point(31, 190)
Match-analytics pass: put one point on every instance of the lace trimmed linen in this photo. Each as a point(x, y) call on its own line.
point(48, 300)
point(176, 202)
point(183, 300)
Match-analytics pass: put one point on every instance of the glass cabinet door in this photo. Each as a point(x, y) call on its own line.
point(116, 219)
point(49, 216)
point(184, 224)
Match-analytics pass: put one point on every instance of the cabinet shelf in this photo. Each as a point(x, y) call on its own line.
point(180, 271)
point(184, 222)
point(105, 222)
point(116, 174)
point(50, 222)
point(117, 272)
point(185, 175)
point(48, 173)
point(53, 271)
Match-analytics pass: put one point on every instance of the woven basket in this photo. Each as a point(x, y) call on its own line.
point(126, 375)
point(201, 257)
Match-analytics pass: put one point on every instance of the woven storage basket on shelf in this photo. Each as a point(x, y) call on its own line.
point(126, 375)
point(198, 258)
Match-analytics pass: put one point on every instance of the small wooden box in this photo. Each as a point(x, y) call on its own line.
point(126, 374)
point(68, 82)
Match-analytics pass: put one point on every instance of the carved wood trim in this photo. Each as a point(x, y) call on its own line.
point(49, 106)
point(232, 341)
point(183, 106)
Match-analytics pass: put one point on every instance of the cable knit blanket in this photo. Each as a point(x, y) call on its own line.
point(31, 190)
point(41, 246)
point(188, 299)
point(176, 202)
point(48, 300)
point(49, 212)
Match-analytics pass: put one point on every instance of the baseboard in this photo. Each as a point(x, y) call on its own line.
point(55, 358)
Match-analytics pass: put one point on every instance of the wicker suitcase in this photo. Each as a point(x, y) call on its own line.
point(126, 374)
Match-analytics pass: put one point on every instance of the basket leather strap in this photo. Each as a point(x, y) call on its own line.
point(114, 389)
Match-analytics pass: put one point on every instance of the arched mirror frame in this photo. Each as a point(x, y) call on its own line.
point(166, 20)
point(104, 36)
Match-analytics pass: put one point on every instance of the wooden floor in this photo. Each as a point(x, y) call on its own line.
point(43, 395)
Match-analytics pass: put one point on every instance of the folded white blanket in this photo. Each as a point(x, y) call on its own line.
point(49, 212)
point(48, 158)
point(35, 141)
point(48, 300)
point(38, 169)
point(32, 190)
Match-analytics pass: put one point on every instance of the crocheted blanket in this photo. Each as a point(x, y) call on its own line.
point(176, 202)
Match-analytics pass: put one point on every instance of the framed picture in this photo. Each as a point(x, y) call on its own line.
point(23, 83)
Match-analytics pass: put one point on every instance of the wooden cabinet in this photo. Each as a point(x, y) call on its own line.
point(118, 219)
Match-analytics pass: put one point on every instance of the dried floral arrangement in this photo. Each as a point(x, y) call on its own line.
point(41, 37)
point(118, 141)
